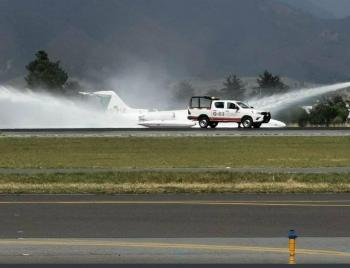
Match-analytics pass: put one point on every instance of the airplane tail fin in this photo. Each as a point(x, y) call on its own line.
point(111, 101)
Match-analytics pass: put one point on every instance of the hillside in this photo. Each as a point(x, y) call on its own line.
point(339, 8)
point(166, 39)
point(315, 8)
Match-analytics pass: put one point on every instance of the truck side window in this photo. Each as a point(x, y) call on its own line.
point(231, 105)
point(205, 103)
point(195, 103)
point(220, 105)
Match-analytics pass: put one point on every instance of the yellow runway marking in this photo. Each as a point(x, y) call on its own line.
point(154, 245)
point(331, 203)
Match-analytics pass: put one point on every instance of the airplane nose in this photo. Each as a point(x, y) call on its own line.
point(281, 124)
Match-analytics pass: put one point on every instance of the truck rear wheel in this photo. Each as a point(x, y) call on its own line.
point(204, 122)
point(247, 122)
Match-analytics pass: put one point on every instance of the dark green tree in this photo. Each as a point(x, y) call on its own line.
point(342, 110)
point(72, 87)
point(302, 118)
point(184, 91)
point(329, 111)
point(44, 74)
point(269, 84)
point(322, 114)
point(233, 87)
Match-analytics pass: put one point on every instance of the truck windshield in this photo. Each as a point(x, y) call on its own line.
point(243, 105)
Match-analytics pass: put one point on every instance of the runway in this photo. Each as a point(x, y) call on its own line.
point(174, 132)
point(165, 216)
point(173, 228)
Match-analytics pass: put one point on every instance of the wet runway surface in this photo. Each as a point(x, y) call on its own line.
point(175, 132)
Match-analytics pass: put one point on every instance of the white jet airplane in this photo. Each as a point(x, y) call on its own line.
point(113, 104)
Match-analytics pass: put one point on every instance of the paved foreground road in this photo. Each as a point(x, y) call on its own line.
point(173, 228)
point(165, 216)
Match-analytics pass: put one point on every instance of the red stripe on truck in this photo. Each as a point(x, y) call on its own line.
point(218, 119)
point(225, 119)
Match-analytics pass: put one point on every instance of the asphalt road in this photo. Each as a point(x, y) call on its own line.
point(174, 216)
point(173, 228)
point(174, 132)
point(174, 251)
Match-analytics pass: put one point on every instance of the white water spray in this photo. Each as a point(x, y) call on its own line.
point(26, 109)
point(278, 102)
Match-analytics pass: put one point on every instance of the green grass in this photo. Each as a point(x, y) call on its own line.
point(157, 182)
point(175, 152)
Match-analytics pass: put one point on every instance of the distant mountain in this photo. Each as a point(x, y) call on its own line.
point(312, 7)
point(339, 8)
point(326, 9)
point(98, 39)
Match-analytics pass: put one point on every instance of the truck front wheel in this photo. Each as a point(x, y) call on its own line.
point(247, 122)
point(204, 122)
point(213, 124)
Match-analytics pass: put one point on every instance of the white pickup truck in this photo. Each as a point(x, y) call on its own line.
point(210, 111)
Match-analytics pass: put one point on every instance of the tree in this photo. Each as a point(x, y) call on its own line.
point(329, 111)
point(234, 87)
point(302, 118)
point(45, 74)
point(184, 91)
point(322, 114)
point(72, 87)
point(271, 84)
point(341, 109)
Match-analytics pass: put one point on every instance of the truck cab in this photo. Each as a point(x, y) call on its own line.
point(210, 111)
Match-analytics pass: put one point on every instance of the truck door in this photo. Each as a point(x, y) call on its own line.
point(218, 111)
point(233, 112)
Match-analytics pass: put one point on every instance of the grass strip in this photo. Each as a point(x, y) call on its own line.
point(153, 182)
point(169, 152)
